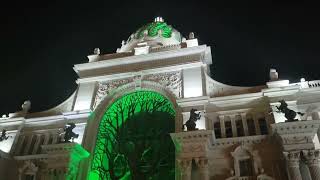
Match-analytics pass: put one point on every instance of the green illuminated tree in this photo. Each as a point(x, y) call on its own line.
point(133, 141)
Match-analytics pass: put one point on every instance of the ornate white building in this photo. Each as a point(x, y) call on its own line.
point(241, 136)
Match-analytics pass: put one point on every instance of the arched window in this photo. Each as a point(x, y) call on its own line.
point(243, 162)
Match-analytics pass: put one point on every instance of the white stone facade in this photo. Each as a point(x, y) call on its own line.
point(241, 134)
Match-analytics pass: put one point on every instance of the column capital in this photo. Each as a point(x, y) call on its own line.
point(292, 157)
point(202, 162)
point(185, 163)
point(312, 157)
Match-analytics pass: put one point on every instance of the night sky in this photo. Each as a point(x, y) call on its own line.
point(41, 41)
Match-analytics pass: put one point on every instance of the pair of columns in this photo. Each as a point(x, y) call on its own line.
point(186, 168)
point(311, 158)
point(234, 127)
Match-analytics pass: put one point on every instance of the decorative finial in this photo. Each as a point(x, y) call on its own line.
point(96, 51)
point(158, 19)
point(26, 106)
point(273, 75)
point(191, 35)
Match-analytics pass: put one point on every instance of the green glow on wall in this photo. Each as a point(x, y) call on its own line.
point(153, 30)
point(77, 153)
point(109, 161)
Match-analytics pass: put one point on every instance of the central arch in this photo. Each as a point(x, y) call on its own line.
point(133, 135)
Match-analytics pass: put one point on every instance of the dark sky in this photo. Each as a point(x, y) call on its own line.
point(41, 41)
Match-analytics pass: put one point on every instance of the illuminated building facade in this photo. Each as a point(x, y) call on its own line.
point(129, 112)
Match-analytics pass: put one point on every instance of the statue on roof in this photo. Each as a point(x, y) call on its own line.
point(191, 123)
point(4, 135)
point(288, 113)
point(69, 134)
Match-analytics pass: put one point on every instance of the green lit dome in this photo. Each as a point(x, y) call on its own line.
point(155, 34)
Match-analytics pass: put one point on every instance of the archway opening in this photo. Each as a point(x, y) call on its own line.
point(133, 140)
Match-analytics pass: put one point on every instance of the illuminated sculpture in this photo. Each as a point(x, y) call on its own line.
point(191, 123)
point(3, 135)
point(69, 134)
point(288, 113)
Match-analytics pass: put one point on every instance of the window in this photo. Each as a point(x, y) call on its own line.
point(251, 127)
point(217, 129)
point(239, 126)
point(263, 126)
point(29, 177)
point(246, 168)
point(228, 129)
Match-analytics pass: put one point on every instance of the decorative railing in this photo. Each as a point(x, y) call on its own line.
point(165, 48)
point(313, 84)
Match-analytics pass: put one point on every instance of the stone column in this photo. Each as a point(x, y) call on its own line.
point(256, 124)
point(19, 145)
point(244, 123)
point(233, 125)
point(185, 168)
point(55, 139)
point(46, 138)
point(36, 145)
point(312, 158)
point(222, 126)
point(27, 147)
point(203, 167)
point(293, 160)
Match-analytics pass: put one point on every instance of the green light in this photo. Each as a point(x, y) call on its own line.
point(154, 28)
point(114, 143)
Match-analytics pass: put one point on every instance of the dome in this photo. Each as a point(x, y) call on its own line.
point(154, 34)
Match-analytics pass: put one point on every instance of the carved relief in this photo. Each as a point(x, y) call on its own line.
point(193, 148)
point(170, 80)
point(106, 87)
point(296, 140)
point(293, 157)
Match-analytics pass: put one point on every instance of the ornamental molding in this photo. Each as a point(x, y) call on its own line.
point(192, 144)
point(168, 80)
point(106, 87)
point(247, 140)
point(310, 126)
point(142, 58)
point(297, 135)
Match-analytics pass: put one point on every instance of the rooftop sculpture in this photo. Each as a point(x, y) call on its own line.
point(191, 123)
point(288, 113)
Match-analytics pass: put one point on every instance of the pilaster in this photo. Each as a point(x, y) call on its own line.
point(185, 168)
point(312, 160)
point(203, 167)
point(233, 125)
point(245, 124)
point(223, 126)
point(293, 161)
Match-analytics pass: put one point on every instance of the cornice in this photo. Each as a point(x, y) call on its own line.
point(140, 58)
